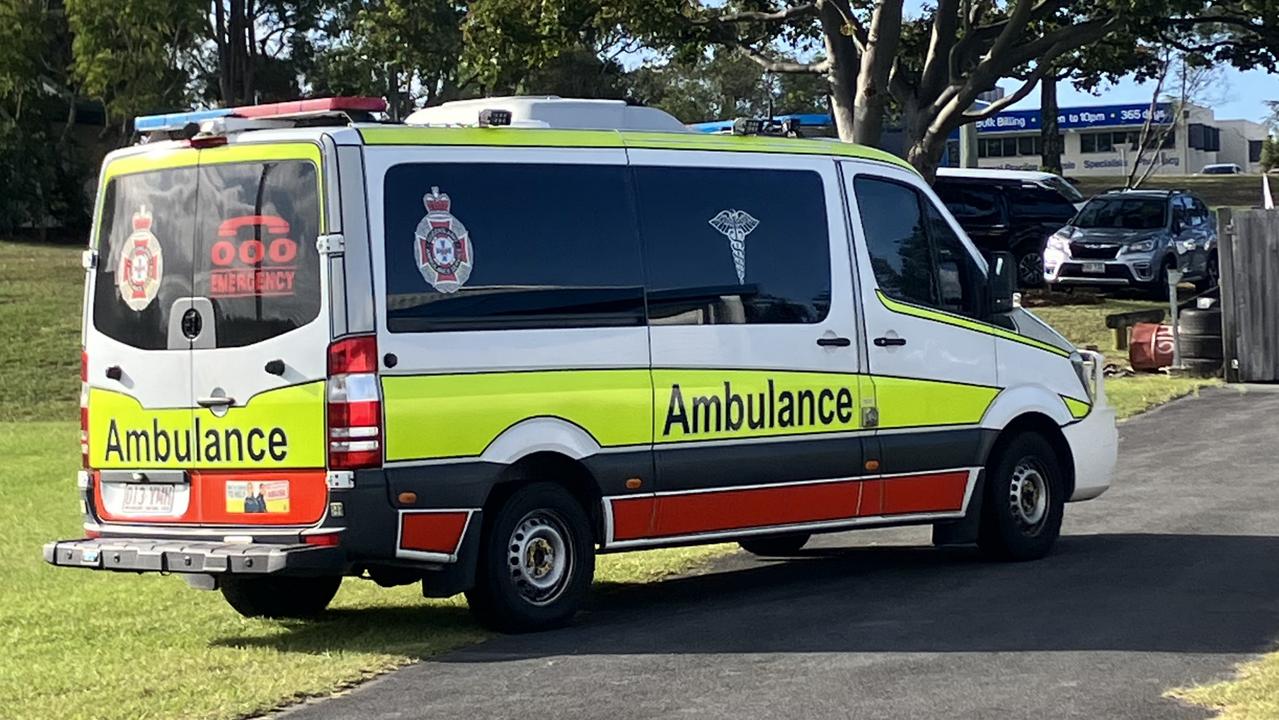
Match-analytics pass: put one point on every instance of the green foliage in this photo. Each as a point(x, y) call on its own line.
point(1269, 153)
point(725, 84)
point(134, 55)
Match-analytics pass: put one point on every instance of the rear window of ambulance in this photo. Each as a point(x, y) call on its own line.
point(240, 234)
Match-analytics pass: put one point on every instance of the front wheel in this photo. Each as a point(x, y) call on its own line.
point(1024, 500)
point(1030, 269)
point(537, 561)
point(280, 597)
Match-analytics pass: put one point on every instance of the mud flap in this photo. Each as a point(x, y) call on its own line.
point(963, 531)
point(452, 578)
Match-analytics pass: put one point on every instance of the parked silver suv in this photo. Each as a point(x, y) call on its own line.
point(1132, 237)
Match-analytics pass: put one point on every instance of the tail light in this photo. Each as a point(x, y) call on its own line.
point(84, 409)
point(354, 404)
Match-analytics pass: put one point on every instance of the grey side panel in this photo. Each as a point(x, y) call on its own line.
point(700, 467)
point(357, 260)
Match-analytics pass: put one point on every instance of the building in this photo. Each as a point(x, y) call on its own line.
point(1103, 140)
point(1097, 140)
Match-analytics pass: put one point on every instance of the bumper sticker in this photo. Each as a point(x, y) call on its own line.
point(253, 496)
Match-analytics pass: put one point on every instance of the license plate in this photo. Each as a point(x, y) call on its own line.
point(1095, 268)
point(148, 500)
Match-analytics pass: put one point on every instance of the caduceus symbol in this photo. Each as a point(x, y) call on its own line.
point(736, 225)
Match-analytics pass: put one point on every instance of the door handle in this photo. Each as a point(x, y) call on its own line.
point(834, 341)
point(889, 341)
point(216, 401)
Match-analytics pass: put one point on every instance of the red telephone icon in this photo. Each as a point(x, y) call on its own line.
point(280, 250)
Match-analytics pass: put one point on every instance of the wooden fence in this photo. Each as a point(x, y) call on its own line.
point(1249, 255)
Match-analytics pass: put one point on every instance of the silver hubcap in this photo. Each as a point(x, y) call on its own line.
point(1028, 495)
point(540, 556)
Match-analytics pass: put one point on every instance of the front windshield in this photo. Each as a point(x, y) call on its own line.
point(1123, 214)
point(1068, 191)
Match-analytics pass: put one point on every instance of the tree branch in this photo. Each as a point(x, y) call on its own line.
point(1031, 81)
point(744, 16)
point(783, 66)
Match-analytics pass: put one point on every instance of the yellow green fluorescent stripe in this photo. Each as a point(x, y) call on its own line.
point(910, 402)
point(966, 323)
point(536, 137)
point(1078, 408)
point(430, 416)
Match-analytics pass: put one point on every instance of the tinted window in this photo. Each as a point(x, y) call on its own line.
point(488, 246)
point(970, 203)
point(734, 246)
point(256, 258)
point(896, 238)
point(144, 255)
point(1036, 203)
point(1123, 213)
point(958, 275)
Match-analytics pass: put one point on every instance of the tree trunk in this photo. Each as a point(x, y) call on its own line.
point(1050, 136)
point(224, 53)
point(842, 74)
point(872, 80)
point(924, 145)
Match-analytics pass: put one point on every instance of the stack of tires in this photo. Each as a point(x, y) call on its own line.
point(1201, 348)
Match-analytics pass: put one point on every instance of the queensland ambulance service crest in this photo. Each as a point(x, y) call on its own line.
point(443, 247)
point(141, 264)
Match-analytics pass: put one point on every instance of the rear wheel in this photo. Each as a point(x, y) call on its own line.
point(537, 560)
point(1024, 503)
point(280, 597)
point(775, 545)
point(1030, 268)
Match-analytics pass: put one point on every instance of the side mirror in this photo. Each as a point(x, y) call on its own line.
point(1002, 281)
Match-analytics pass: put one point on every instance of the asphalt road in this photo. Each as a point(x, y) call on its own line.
point(1169, 579)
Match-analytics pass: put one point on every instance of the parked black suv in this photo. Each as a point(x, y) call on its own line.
point(1013, 210)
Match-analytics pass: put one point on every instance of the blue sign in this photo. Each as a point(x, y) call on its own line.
point(1078, 118)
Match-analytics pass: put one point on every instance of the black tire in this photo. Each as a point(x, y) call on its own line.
point(1030, 268)
point(1202, 367)
point(1212, 276)
point(775, 545)
point(1193, 321)
point(1201, 347)
point(1024, 500)
point(280, 597)
point(536, 529)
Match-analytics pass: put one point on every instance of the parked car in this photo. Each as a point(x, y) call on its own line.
point(1221, 169)
point(1012, 210)
point(1132, 238)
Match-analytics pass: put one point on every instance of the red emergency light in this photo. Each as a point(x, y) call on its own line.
point(317, 105)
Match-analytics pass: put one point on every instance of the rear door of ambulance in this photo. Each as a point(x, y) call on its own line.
point(224, 409)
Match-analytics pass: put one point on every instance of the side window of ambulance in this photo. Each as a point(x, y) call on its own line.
point(256, 258)
point(897, 239)
point(144, 255)
point(914, 253)
point(480, 246)
point(733, 246)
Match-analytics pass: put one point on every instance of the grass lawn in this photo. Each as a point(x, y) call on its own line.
point(1214, 190)
point(1085, 325)
point(1252, 695)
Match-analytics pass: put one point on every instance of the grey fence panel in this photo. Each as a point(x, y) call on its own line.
point(1249, 258)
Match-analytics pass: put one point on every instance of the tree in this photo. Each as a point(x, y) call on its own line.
point(1269, 153)
point(724, 84)
point(135, 55)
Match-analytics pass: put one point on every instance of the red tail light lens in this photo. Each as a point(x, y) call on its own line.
point(84, 409)
point(354, 405)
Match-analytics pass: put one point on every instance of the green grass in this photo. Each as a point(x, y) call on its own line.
point(1085, 325)
point(1214, 190)
point(1253, 694)
point(41, 287)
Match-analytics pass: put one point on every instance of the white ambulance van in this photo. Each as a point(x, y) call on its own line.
point(475, 357)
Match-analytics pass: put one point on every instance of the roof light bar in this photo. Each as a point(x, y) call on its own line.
point(171, 122)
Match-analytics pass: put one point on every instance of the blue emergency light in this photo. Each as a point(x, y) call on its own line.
point(176, 121)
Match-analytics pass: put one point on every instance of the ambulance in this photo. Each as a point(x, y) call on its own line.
point(477, 349)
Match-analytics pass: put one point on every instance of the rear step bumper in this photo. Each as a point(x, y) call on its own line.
point(180, 556)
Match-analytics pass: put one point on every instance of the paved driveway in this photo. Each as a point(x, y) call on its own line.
point(1169, 579)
